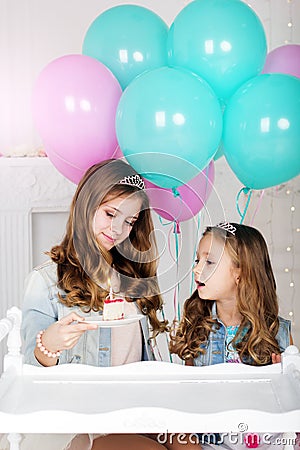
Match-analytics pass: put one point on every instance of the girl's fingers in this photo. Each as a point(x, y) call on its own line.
point(276, 358)
point(70, 334)
point(73, 317)
point(64, 334)
point(80, 326)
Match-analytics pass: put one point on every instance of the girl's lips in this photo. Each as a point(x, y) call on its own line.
point(200, 284)
point(109, 238)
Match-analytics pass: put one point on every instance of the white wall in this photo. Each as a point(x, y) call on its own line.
point(34, 32)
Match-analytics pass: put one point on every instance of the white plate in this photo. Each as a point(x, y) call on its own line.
point(114, 323)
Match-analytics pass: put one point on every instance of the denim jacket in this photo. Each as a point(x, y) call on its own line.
point(215, 346)
point(42, 307)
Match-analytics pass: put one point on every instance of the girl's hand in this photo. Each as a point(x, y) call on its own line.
point(65, 334)
point(62, 335)
point(276, 358)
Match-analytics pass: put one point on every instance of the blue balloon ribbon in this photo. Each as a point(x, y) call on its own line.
point(167, 338)
point(176, 232)
point(175, 221)
point(176, 193)
point(246, 191)
point(195, 251)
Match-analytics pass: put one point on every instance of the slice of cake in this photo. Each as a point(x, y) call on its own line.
point(113, 309)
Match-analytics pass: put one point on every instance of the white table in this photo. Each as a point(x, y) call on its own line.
point(150, 397)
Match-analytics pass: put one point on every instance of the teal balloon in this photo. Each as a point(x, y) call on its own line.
point(262, 131)
point(128, 39)
point(169, 125)
point(223, 41)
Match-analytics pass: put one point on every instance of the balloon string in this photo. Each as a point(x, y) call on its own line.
point(257, 206)
point(207, 181)
point(175, 258)
point(199, 224)
point(195, 252)
point(176, 232)
point(246, 191)
point(176, 193)
point(167, 339)
point(175, 220)
point(164, 223)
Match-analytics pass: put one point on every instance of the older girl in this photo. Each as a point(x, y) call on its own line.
point(109, 234)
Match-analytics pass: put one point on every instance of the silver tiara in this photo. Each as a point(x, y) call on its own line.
point(133, 180)
point(227, 227)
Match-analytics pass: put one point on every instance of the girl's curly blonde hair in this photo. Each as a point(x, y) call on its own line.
point(256, 300)
point(83, 267)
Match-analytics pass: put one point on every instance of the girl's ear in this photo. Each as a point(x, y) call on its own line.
point(236, 274)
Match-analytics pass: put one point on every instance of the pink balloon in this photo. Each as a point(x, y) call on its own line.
point(69, 170)
point(284, 59)
point(74, 102)
point(191, 199)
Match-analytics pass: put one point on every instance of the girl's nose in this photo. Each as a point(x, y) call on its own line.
point(198, 267)
point(116, 226)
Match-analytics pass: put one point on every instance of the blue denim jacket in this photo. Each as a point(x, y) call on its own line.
point(216, 344)
point(42, 307)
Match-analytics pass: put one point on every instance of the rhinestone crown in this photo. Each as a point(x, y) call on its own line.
point(227, 227)
point(133, 180)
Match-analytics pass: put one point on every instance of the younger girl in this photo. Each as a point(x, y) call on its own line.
point(233, 314)
point(109, 234)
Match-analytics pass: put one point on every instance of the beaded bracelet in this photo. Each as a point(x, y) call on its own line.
point(43, 349)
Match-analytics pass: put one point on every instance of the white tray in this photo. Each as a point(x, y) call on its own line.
point(150, 397)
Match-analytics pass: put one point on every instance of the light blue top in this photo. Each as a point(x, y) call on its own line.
point(41, 308)
point(231, 355)
point(216, 348)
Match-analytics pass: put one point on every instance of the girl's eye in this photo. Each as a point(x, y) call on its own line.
point(208, 262)
point(109, 214)
point(130, 223)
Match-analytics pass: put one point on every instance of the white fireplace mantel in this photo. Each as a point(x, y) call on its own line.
point(27, 183)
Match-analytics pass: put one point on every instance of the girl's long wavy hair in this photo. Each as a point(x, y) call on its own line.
point(84, 267)
point(256, 300)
